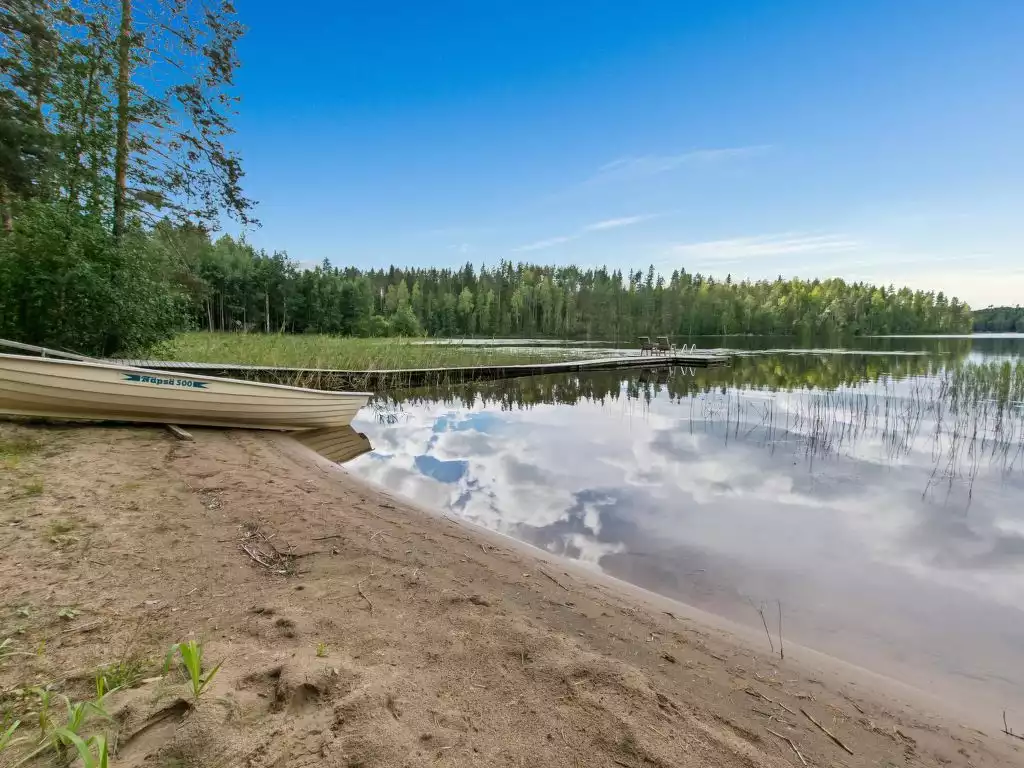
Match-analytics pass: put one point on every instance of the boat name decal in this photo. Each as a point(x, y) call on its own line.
point(187, 383)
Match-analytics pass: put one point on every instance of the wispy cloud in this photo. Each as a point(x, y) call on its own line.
point(640, 166)
point(542, 244)
point(742, 248)
point(625, 221)
point(597, 226)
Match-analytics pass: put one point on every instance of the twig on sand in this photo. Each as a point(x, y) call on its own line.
point(1009, 731)
point(788, 741)
point(256, 558)
point(759, 695)
point(826, 731)
point(853, 704)
point(359, 589)
point(331, 536)
point(83, 628)
point(545, 573)
point(782, 652)
point(622, 763)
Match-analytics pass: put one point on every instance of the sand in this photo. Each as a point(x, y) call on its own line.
point(356, 629)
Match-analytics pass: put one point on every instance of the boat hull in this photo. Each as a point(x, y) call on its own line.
point(66, 389)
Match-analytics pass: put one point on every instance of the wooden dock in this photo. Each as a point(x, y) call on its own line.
point(376, 380)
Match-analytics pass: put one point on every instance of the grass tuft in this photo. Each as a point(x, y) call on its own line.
point(14, 449)
point(35, 488)
point(60, 527)
point(191, 655)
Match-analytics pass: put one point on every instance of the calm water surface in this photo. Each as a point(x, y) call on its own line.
point(862, 488)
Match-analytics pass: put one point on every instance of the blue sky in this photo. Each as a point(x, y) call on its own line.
point(868, 140)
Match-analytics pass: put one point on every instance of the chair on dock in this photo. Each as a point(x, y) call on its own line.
point(645, 345)
point(664, 346)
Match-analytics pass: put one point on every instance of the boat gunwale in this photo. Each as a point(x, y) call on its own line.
point(179, 375)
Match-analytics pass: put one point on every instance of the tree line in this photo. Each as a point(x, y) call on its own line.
point(236, 287)
point(115, 167)
point(999, 320)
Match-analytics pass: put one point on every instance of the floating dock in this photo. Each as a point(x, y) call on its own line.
point(320, 378)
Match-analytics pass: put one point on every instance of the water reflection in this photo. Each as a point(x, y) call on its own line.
point(880, 498)
point(338, 444)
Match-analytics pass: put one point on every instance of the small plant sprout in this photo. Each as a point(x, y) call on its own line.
point(100, 759)
point(67, 613)
point(7, 737)
point(191, 654)
point(59, 737)
point(321, 650)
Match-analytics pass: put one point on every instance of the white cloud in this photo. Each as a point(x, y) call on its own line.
point(597, 226)
point(625, 221)
point(741, 248)
point(541, 244)
point(640, 166)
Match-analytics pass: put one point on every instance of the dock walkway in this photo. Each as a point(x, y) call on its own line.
point(321, 378)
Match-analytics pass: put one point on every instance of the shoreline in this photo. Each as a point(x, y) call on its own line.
point(810, 660)
point(443, 643)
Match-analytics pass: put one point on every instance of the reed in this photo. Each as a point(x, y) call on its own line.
point(347, 353)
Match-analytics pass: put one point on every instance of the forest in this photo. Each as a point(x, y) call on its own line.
point(999, 320)
point(116, 173)
point(238, 288)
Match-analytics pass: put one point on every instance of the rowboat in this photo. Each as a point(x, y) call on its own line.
point(337, 444)
point(94, 390)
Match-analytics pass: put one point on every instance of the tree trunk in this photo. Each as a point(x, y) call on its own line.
point(76, 153)
point(124, 63)
point(266, 311)
point(5, 210)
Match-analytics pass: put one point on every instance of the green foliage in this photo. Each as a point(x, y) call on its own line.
point(234, 287)
point(58, 735)
point(84, 748)
point(13, 450)
point(7, 737)
point(68, 284)
point(999, 320)
point(191, 654)
point(123, 674)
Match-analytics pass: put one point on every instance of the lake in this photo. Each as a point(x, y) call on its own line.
point(876, 491)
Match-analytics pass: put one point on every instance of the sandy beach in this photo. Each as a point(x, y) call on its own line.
point(356, 629)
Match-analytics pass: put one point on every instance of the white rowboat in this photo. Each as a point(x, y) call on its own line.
point(97, 391)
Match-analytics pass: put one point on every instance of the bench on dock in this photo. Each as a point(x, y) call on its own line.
point(645, 345)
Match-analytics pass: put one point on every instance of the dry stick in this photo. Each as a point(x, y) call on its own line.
point(788, 741)
point(545, 573)
point(826, 731)
point(768, 634)
point(359, 589)
point(1006, 729)
point(782, 653)
point(332, 536)
point(759, 695)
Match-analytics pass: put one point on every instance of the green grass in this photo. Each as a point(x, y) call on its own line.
point(14, 449)
point(345, 353)
point(59, 528)
point(35, 488)
point(191, 656)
